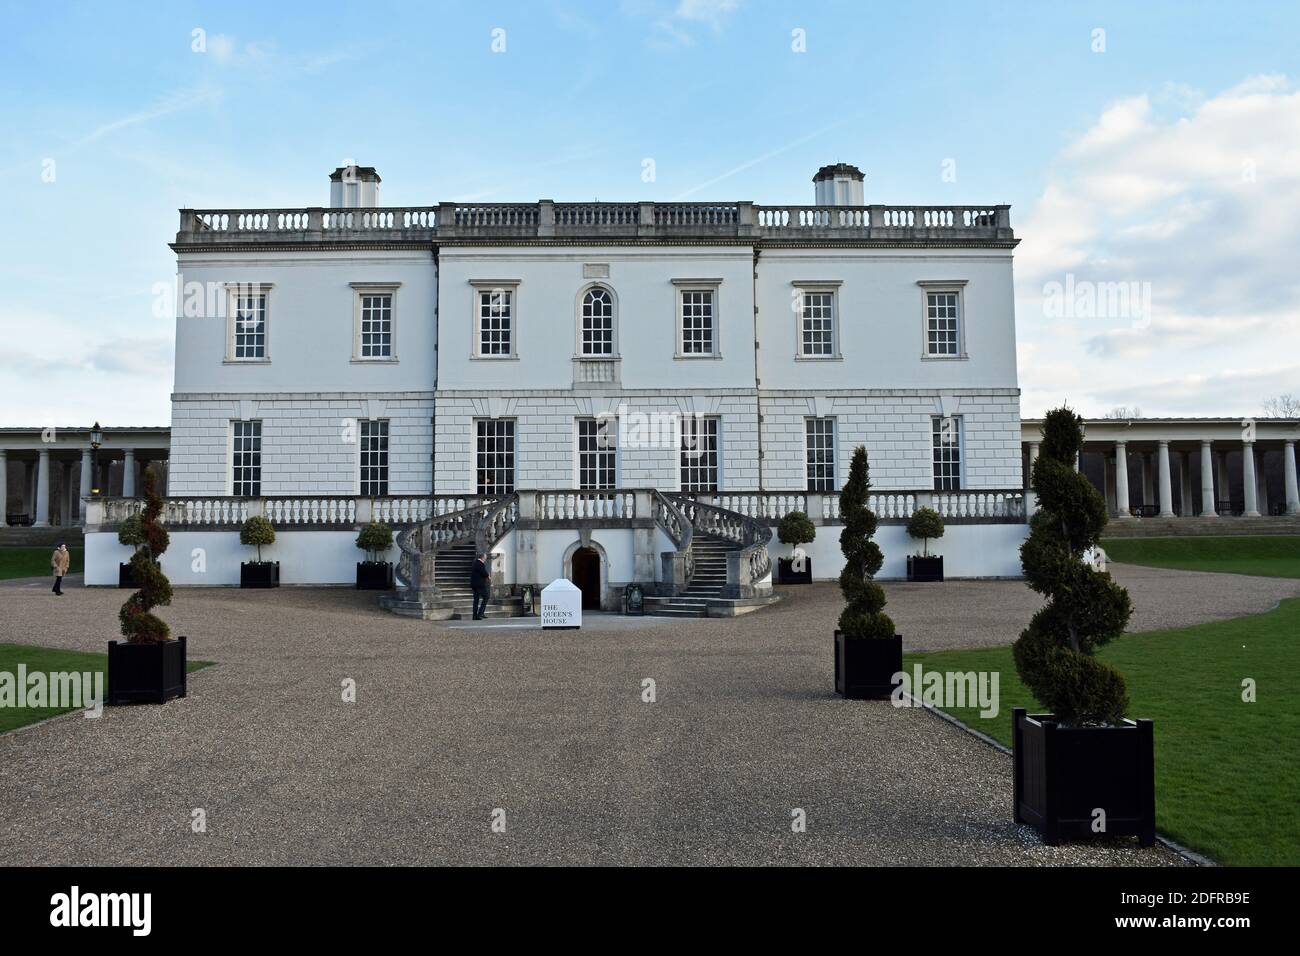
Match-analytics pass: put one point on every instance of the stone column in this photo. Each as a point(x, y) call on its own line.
point(85, 485)
point(43, 489)
point(1122, 504)
point(1288, 476)
point(29, 489)
point(128, 473)
point(1261, 479)
point(4, 488)
point(1249, 487)
point(1185, 508)
point(1166, 484)
point(1207, 481)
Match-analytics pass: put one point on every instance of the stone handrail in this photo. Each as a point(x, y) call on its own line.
point(584, 505)
point(749, 564)
point(418, 224)
point(678, 565)
point(495, 524)
point(419, 544)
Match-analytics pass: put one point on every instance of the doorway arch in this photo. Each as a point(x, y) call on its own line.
point(586, 565)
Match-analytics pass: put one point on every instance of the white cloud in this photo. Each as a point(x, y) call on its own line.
point(1196, 198)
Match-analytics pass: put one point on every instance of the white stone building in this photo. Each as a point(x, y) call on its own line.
point(574, 381)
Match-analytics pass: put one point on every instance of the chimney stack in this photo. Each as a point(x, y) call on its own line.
point(354, 187)
point(839, 185)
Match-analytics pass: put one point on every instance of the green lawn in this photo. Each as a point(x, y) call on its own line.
point(48, 659)
point(34, 563)
point(1273, 556)
point(1226, 770)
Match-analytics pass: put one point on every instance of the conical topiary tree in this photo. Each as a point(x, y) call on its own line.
point(139, 626)
point(864, 617)
point(1085, 608)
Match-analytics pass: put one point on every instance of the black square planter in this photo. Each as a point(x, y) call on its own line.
point(865, 667)
point(787, 574)
point(259, 574)
point(126, 577)
point(146, 673)
point(1064, 774)
point(374, 576)
point(925, 569)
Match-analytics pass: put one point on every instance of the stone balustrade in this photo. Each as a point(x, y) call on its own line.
point(423, 224)
point(213, 513)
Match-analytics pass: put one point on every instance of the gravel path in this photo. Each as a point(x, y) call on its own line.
point(452, 722)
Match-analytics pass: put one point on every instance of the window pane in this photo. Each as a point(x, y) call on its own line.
point(376, 326)
point(495, 456)
point(597, 452)
point(697, 323)
point(246, 459)
point(374, 458)
point(946, 435)
point(820, 451)
point(495, 313)
point(699, 454)
point(941, 317)
point(598, 323)
point(817, 323)
point(250, 326)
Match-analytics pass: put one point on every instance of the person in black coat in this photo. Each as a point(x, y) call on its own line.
point(480, 581)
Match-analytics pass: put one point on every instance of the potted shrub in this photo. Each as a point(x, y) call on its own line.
point(150, 667)
point(373, 574)
point(256, 532)
point(130, 534)
point(1083, 769)
point(867, 651)
point(925, 524)
point(795, 529)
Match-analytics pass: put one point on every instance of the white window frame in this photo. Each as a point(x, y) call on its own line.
point(681, 287)
point(955, 287)
point(611, 431)
point(230, 455)
point(359, 291)
point(961, 452)
point(514, 453)
point(834, 450)
point(819, 287)
point(717, 430)
point(387, 452)
point(577, 314)
point(234, 291)
point(479, 287)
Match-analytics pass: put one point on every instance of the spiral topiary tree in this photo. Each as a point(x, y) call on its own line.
point(150, 539)
point(1085, 609)
point(864, 616)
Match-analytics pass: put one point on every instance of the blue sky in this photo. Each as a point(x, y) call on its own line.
point(1169, 159)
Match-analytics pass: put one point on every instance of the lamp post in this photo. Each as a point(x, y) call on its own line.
point(96, 439)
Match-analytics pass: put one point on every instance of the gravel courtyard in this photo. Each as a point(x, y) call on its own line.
point(454, 721)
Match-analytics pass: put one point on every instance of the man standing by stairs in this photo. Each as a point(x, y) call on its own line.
point(480, 582)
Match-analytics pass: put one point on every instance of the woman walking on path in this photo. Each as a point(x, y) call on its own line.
point(59, 562)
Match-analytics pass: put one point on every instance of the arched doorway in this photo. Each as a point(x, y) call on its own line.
point(585, 574)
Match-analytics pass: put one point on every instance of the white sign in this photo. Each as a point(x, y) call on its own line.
point(561, 605)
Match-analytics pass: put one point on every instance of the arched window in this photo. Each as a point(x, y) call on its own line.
point(597, 322)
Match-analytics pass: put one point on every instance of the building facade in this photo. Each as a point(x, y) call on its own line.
point(727, 354)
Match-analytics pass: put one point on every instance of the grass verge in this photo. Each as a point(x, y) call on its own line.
point(1272, 556)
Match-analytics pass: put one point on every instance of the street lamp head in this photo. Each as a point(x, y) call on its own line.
point(96, 436)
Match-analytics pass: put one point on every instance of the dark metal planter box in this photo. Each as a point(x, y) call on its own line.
point(1064, 774)
point(865, 668)
point(925, 569)
point(126, 577)
point(146, 673)
point(374, 576)
point(259, 574)
point(787, 574)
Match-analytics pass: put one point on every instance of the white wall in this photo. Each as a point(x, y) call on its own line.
point(969, 551)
